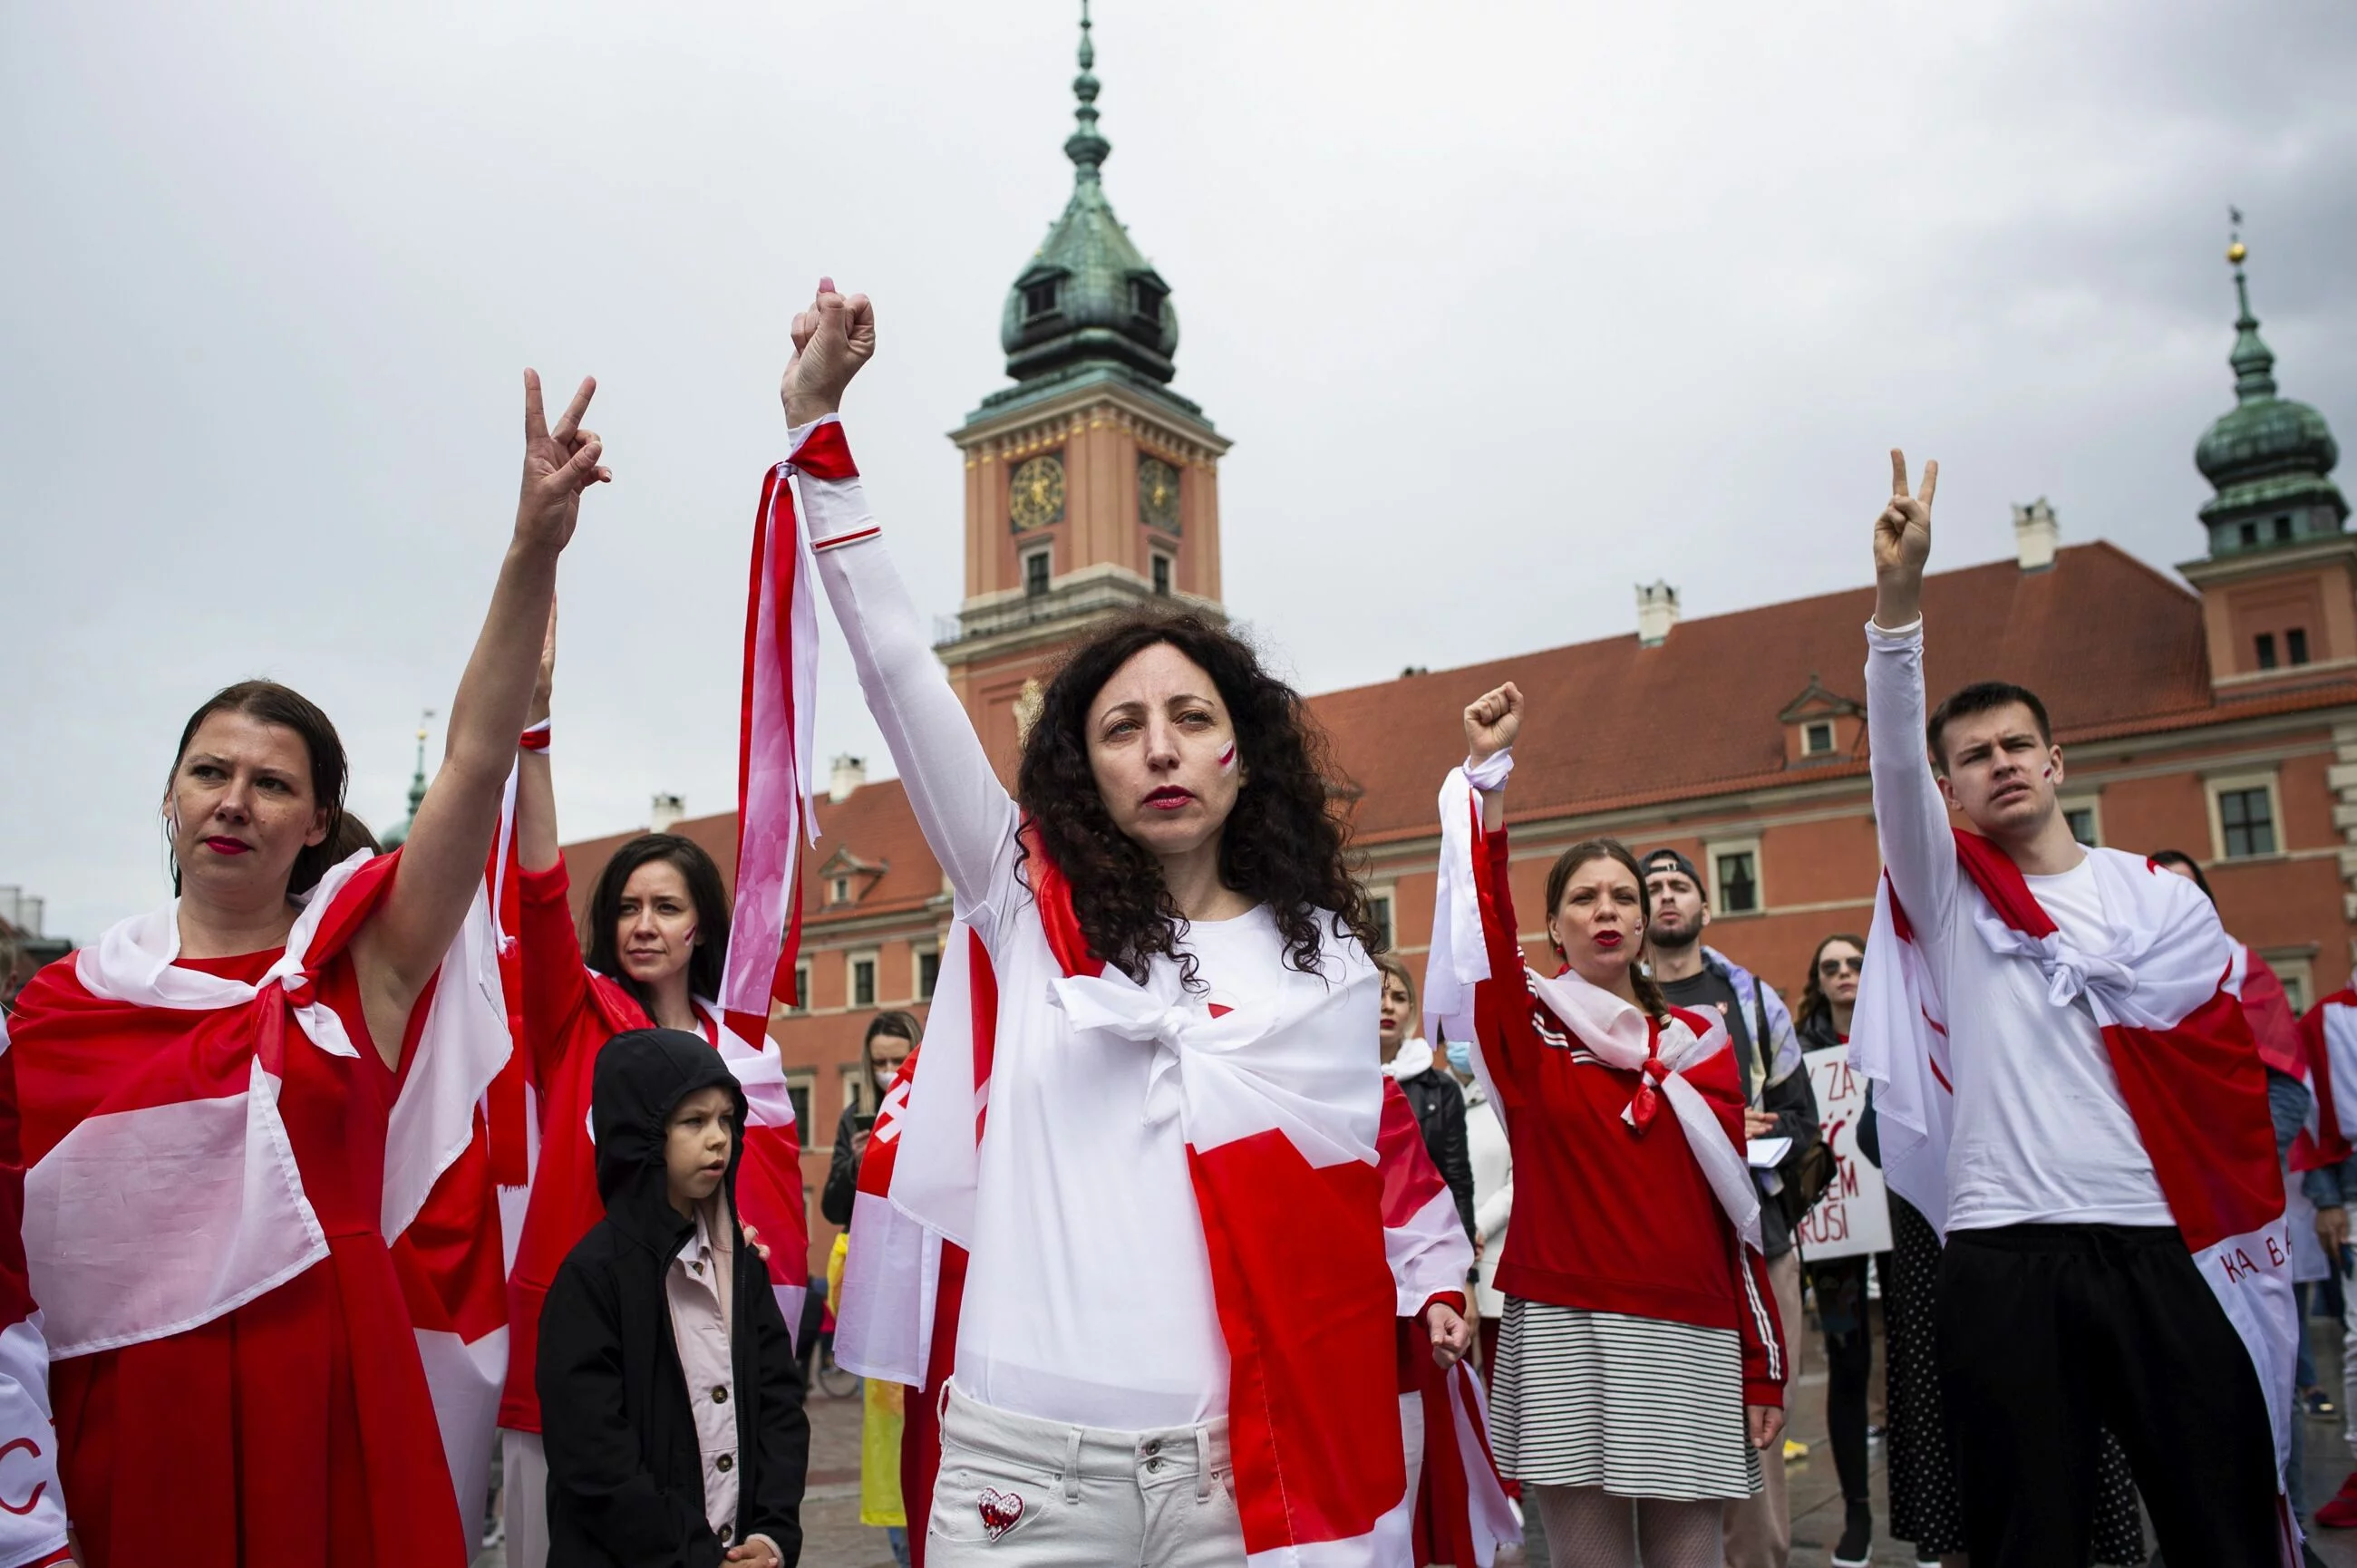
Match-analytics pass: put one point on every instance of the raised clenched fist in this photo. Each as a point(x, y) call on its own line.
point(832, 340)
point(1491, 722)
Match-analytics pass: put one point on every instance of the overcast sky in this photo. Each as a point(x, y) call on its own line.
point(1507, 307)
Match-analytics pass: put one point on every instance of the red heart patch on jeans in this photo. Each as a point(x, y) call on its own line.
point(999, 1511)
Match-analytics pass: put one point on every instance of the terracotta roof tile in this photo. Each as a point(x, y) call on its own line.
point(2112, 646)
point(875, 825)
point(1613, 724)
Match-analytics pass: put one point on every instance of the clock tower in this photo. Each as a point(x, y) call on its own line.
point(1092, 488)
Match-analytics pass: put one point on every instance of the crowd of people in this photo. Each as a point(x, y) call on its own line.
point(1177, 1231)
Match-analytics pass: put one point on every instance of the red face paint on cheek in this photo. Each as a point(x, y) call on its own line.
point(1228, 757)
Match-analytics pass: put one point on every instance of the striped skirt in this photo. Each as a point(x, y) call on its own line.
point(1639, 1406)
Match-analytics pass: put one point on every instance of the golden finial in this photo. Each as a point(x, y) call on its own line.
point(2235, 249)
point(2236, 252)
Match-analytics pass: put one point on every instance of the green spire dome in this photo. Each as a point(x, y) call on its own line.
point(2270, 457)
point(1089, 301)
point(398, 834)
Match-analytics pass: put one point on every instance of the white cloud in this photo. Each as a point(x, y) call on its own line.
point(1506, 305)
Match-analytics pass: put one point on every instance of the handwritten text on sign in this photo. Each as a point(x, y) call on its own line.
point(1853, 1216)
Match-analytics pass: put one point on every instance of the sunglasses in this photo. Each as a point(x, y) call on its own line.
point(1833, 966)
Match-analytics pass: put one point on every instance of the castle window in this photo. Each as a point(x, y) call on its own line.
point(1035, 574)
point(801, 989)
point(1039, 299)
point(1817, 739)
point(2266, 650)
point(2242, 816)
point(1161, 574)
point(1145, 301)
point(863, 981)
point(2085, 819)
point(929, 972)
point(1735, 877)
point(2283, 529)
point(2296, 645)
point(2250, 532)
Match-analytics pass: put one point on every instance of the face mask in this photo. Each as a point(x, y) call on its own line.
point(1460, 1055)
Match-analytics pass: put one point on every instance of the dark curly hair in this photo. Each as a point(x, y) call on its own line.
point(1282, 846)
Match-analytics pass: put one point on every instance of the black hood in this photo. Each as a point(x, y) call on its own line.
point(641, 1077)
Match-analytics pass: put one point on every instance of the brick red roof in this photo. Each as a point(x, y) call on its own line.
point(2113, 647)
point(874, 824)
point(2109, 644)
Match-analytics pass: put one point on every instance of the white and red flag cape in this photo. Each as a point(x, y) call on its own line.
point(1459, 1510)
point(195, 1131)
point(776, 819)
point(2178, 1044)
point(2328, 1037)
point(1290, 1197)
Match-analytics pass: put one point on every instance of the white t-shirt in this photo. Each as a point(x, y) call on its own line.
point(2041, 1133)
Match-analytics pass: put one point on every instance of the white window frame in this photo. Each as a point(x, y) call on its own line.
point(2091, 802)
point(2296, 967)
point(838, 888)
point(1810, 729)
point(1045, 551)
point(1711, 850)
point(1389, 893)
point(806, 1079)
point(849, 1072)
point(801, 989)
point(918, 954)
point(851, 962)
point(2228, 783)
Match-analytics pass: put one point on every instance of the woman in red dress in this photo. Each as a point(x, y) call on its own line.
point(233, 1373)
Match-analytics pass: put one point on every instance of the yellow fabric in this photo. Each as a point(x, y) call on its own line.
point(881, 1419)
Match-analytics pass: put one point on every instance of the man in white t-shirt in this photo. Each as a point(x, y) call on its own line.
point(2068, 1299)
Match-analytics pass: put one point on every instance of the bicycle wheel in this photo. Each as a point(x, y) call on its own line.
point(835, 1382)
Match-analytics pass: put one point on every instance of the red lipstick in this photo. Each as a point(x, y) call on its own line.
point(221, 845)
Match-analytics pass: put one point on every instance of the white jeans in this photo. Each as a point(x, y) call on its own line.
point(1015, 1490)
point(524, 1497)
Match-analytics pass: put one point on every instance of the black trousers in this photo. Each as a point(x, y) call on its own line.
point(1849, 1367)
point(2048, 1333)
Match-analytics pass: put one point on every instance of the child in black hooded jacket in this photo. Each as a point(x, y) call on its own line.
point(643, 1471)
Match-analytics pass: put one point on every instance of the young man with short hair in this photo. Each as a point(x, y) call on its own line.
point(2067, 1090)
point(1779, 1104)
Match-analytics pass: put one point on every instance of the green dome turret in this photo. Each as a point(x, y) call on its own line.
point(1089, 298)
point(2270, 458)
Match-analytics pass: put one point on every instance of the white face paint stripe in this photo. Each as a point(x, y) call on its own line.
point(1228, 757)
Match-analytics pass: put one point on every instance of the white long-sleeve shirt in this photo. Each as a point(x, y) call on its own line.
point(1088, 1297)
point(2041, 1133)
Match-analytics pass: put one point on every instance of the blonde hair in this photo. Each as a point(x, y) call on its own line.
point(1391, 964)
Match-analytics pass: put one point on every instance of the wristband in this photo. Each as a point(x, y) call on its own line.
point(1490, 772)
point(535, 739)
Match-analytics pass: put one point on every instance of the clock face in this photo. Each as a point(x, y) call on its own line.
point(1157, 494)
point(1036, 493)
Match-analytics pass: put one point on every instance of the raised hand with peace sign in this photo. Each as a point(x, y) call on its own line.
point(1902, 543)
point(559, 463)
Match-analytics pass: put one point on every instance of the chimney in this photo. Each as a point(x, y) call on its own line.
point(2035, 535)
point(1657, 611)
point(849, 774)
point(667, 811)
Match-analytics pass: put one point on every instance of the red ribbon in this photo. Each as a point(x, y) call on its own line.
point(1647, 1101)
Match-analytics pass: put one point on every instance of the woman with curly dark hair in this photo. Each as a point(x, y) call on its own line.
point(1173, 1212)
